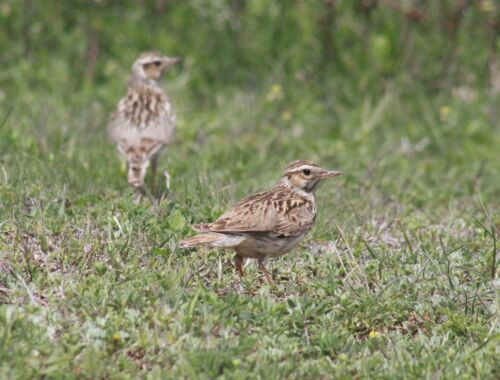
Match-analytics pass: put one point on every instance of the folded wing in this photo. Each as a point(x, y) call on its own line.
point(261, 214)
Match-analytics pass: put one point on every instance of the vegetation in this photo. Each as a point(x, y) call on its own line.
point(399, 277)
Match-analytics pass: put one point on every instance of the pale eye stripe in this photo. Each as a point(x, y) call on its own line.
point(300, 168)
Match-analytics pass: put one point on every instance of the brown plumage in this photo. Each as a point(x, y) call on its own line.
point(144, 121)
point(267, 224)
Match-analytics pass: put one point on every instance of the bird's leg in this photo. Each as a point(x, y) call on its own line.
point(238, 262)
point(154, 166)
point(138, 193)
point(261, 263)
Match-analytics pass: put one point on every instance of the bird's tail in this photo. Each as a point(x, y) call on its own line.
point(139, 155)
point(202, 239)
point(212, 239)
point(136, 172)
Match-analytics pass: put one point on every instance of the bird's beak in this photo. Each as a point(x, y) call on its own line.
point(172, 60)
point(329, 174)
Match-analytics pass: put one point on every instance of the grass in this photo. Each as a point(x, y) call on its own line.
point(397, 279)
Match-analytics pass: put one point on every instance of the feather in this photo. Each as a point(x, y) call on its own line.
point(280, 212)
point(213, 240)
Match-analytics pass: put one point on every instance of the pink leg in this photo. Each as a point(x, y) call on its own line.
point(262, 267)
point(238, 262)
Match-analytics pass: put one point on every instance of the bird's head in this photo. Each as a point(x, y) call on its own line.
point(306, 175)
point(151, 65)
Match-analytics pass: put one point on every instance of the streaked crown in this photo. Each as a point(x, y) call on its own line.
point(151, 65)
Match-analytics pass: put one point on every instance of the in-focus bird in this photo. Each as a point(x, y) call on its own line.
point(144, 121)
point(267, 224)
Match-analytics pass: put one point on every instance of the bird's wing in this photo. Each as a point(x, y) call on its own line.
point(298, 217)
point(254, 214)
point(263, 213)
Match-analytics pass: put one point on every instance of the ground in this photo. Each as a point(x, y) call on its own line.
point(398, 278)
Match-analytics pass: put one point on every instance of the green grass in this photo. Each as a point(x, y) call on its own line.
point(395, 280)
point(399, 278)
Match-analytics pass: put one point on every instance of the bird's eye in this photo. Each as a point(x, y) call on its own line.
point(157, 63)
point(306, 171)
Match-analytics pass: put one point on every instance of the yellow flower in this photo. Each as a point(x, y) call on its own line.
point(444, 112)
point(116, 337)
point(276, 88)
point(275, 93)
point(487, 6)
point(286, 115)
point(373, 334)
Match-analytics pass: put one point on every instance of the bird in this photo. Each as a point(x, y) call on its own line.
point(267, 224)
point(144, 120)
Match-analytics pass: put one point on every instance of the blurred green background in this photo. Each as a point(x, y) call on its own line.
point(344, 47)
point(342, 75)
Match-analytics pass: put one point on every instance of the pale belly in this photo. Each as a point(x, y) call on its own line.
point(265, 246)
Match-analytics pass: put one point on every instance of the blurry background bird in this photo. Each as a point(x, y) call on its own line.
point(144, 121)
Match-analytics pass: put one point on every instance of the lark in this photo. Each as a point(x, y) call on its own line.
point(267, 224)
point(144, 121)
